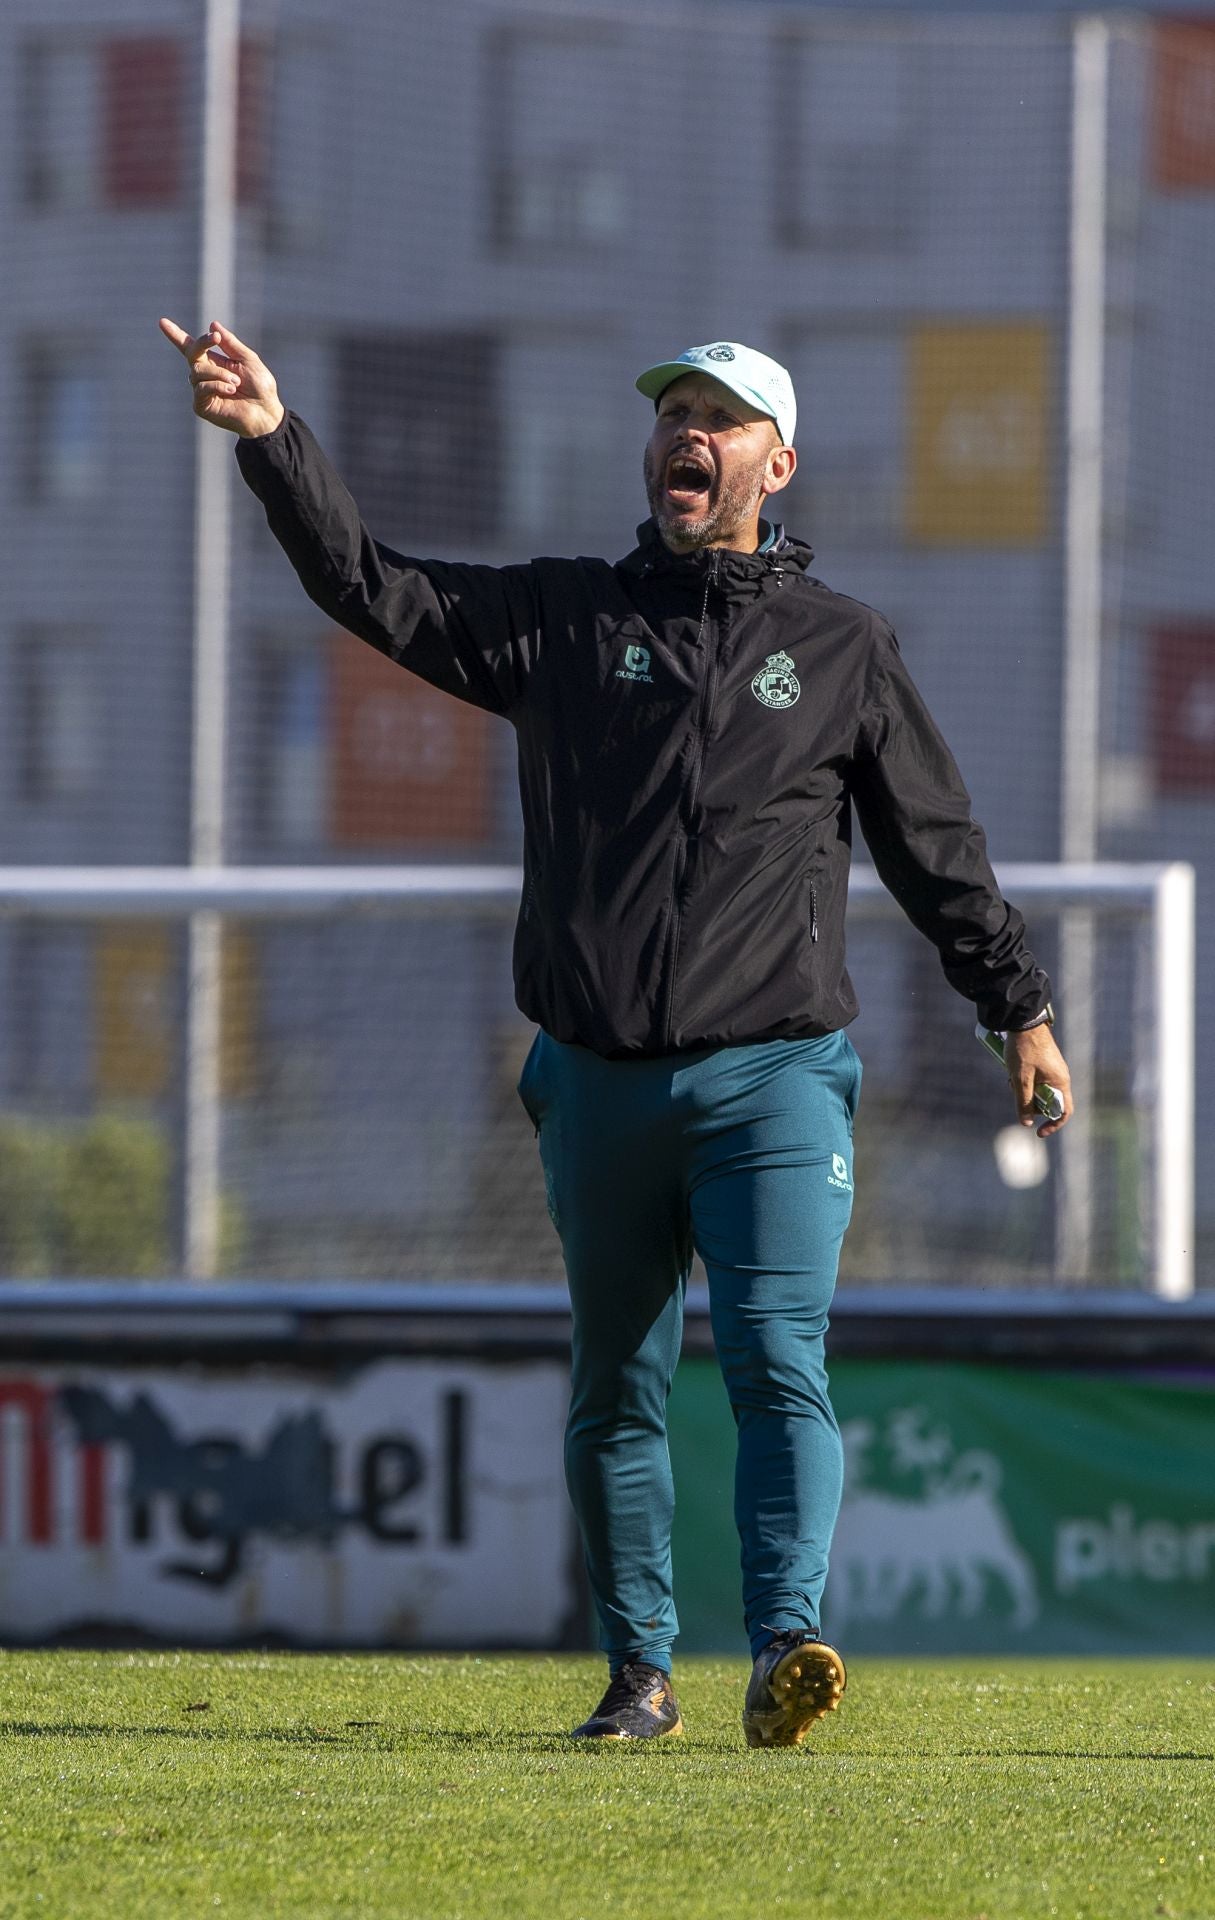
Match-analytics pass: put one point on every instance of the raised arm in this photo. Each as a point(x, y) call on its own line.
point(470, 630)
point(232, 387)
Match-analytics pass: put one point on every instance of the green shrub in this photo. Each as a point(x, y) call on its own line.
point(84, 1199)
point(31, 1186)
point(114, 1209)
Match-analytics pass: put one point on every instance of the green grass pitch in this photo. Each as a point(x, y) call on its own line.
point(429, 1788)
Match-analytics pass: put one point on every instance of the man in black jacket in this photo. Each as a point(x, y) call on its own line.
point(695, 725)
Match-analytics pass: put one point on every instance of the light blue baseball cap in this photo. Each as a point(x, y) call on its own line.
point(751, 375)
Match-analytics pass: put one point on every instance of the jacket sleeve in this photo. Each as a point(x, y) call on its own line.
point(932, 855)
point(470, 630)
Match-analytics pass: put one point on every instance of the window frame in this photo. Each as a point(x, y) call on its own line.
point(903, 214)
point(501, 47)
point(36, 782)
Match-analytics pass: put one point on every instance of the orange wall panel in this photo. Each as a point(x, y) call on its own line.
point(978, 406)
point(134, 1011)
point(143, 108)
point(1183, 90)
point(1183, 708)
point(409, 766)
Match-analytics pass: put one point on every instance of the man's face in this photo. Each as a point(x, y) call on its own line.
point(709, 463)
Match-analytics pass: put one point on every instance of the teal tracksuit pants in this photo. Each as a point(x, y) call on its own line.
point(743, 1154)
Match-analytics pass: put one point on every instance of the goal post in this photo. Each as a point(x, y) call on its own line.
point(1148, 1020)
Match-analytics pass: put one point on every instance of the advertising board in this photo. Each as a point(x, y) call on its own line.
point(986, 1509)
point(399, 1503)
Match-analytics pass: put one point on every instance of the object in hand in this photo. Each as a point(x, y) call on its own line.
point(1047, 1099)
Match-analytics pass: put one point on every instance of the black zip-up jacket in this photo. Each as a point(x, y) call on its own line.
point(693, 734)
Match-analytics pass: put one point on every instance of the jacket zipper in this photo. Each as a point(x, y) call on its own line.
point(691, 795)
point(813, 912)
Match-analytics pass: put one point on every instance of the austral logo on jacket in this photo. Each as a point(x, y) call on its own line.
point(777, 685)
point(636, 665)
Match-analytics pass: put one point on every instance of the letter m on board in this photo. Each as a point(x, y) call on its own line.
point(26, 1408)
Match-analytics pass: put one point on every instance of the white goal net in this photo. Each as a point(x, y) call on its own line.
point(358, 1118)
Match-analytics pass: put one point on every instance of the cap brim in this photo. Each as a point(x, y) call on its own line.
point(655, 379)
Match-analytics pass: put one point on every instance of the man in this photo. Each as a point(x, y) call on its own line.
point(695, 725)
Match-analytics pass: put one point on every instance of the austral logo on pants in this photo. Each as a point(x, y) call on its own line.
point(838, 1176)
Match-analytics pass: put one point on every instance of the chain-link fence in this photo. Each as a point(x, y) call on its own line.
point(458, 234)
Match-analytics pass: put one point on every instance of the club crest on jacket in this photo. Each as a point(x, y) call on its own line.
point(776, 684)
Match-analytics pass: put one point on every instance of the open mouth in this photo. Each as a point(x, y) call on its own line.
point(688, 480)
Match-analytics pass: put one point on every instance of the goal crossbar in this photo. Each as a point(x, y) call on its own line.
point(156, 892)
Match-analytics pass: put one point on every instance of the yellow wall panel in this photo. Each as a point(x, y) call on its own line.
point(135, 987)
point(978, 399)
point(134, 979)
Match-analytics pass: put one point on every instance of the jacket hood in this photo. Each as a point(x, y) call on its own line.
point(782, 553)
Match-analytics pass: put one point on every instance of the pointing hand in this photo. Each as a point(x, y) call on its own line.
point(232, 387)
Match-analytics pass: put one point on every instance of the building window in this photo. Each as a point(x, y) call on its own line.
point(50, 1010)
point(850, 151)
point(65, 431)
point(848, 491)
point(56, 704)
point(291, 85)
point(570, 447)
point(419, 435)
point(103, 121)
point(559, 109)
point(59, 124)
point(291, 792)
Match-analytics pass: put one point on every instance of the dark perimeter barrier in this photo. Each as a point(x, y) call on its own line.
point(381, 1466)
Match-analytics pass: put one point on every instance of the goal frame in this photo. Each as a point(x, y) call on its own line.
point(1163, 892)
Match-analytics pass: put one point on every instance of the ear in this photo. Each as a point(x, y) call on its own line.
point(782, 465)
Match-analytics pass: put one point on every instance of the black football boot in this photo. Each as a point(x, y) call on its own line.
point(638, 1705)
point(794, 1682)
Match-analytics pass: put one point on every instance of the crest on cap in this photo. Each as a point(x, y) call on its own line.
point(751, 375)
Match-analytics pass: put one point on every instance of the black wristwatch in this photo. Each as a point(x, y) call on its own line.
point(1044, 1019)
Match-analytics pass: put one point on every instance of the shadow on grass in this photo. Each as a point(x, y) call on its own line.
point(85, 1730)
point(1076, 1753)
point(558, 1741)
point(839, 1748)
point(443, 1739)
point(438, 1739)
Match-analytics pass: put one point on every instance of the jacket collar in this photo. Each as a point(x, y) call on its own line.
point(779, 552)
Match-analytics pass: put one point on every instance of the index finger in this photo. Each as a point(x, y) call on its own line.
point(193, 349)
point(182, 340)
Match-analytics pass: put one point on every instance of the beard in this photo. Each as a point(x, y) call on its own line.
point(735, 508)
